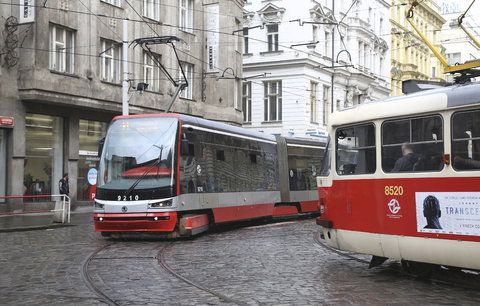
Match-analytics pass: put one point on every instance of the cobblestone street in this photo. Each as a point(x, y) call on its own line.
point(272, 264)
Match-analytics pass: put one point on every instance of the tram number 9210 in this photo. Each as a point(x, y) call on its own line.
point(393, 190)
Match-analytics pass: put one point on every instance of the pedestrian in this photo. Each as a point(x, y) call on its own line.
point(63, 185)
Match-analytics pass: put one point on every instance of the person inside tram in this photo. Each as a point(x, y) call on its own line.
point(432, 212)
point(407, 161)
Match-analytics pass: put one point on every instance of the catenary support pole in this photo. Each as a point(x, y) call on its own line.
point(125, 83)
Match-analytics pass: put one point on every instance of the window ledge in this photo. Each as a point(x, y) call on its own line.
point(117, 6)
point(111, 83)
point(238, 110)
point(188, 99)
point(157, 21)
point(272, 122)
point(271, 52)
point(249, 123)
point(155, 92)
point(64, 73)
point(247, 54)
point(187, 32)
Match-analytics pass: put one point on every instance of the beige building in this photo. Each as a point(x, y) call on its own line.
point(411, 58)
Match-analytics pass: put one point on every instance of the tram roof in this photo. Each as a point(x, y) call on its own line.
point(418, 103)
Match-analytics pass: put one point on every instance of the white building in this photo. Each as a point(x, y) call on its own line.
point(287, 61)
point(459, 47)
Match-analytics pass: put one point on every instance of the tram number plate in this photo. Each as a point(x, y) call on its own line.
point(393, 190)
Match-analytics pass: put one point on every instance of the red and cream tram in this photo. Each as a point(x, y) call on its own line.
point(177, 175)
point(402, 179)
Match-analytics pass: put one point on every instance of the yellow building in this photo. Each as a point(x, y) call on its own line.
point(411, 58)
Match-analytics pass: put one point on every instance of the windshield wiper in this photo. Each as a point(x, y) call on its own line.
point(145, 173)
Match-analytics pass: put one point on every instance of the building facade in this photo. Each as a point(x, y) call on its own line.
point(459, 48)
point(62, 73)
point(411, 58)
point(305, 59)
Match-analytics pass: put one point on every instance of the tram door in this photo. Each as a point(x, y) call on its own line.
point(355, 165)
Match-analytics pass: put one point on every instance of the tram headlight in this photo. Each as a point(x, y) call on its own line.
point(162, 204)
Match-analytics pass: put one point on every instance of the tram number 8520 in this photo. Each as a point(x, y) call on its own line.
point(393, 190)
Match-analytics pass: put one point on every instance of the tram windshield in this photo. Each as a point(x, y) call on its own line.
point(138, 154)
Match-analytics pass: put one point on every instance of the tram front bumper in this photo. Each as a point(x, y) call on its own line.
point(135, 222)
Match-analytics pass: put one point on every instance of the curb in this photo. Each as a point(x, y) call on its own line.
point(34, 228)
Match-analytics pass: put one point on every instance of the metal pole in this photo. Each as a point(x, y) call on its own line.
point(125, 83)
point(333, 55)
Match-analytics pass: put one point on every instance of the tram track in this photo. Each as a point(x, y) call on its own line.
point(440, 275)
point(89, 281)
point(162, 262)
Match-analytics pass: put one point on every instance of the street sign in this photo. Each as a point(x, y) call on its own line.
point(7, 122)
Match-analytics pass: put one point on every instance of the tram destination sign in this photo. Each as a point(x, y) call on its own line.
point(6, 122)
point(455, 213)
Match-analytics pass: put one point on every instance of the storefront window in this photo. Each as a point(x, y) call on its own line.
point(90, 134)
point(44, 154)
point(3, 163)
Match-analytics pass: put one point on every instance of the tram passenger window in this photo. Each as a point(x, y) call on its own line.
point(412, 145)
point(466, 140)
point(356, 150)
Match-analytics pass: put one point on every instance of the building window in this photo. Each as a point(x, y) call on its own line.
point(327, 44)
point(113, 2)
point(247, 101)
point(236, 94)
point(62, 49)
point(272, 37)
point(44, 154)
point(245, 40)
point(315, 35)
point(326, 100)
point(454, 58)
point(3, 163)
point(313, 103)
point(186, 15)
point(110, 57)
point(187, 93)
point(273, 101)
point(151, 71)
point(151, 9)
point(89, 137)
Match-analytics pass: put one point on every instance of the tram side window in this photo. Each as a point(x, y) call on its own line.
point(304, 165)
point(356, 150)
point(466, 140)
point(412, 145)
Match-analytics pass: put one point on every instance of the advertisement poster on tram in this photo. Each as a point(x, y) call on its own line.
point(456, 213)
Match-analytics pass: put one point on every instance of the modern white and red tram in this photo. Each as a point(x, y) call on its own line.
point(177, 175)
point(402, 179)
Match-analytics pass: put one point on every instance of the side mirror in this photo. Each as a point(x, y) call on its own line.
point(101, 142)
point(184, 146)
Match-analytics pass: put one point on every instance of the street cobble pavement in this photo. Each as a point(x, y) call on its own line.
point(273, 264)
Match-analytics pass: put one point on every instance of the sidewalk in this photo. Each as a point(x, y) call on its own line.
point(39, 221)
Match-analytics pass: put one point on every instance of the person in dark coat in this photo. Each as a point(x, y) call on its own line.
point(63, 186)
point(407, 161)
